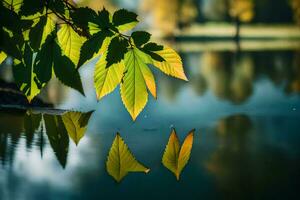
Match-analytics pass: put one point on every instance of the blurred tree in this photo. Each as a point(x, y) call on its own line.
point(169, 15)
point(241, 11)
point(296, 8)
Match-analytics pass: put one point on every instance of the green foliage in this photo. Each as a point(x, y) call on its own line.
point(54, 37)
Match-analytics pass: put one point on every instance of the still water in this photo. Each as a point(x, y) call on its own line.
point(246, 112)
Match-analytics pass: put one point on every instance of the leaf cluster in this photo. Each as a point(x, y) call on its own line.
point(54, 38)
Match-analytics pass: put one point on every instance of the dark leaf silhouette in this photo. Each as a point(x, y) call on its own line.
point(123, 16)
point(65, 70)
point(81, 16)
point(116, 51)
point(140, 37)
point(103, 19)
point(30, 7)
point(92, 46)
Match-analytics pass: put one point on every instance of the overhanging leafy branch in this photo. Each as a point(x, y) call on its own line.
point(57, 36)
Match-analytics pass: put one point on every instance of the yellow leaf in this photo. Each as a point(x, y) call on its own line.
point(136, 80)
point(70, 42)
point(3, 56)
point(172, 65)
point(107, 79)
point(76, 124)
point(120, 160)
point(176, 158)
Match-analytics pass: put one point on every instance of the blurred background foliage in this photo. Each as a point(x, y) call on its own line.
point(169, 15)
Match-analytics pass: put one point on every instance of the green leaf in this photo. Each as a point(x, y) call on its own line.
point(92, 46)
point(136, 80)
point(140, 37)
point(124, 20)
point(107, 79)
point(70, 42)
point(176, 158)
point(39, 33)
point(120, 160)
point(30, 7)
point(116, 51)
point(58, 137)
point(76, 124)
point(24, 75)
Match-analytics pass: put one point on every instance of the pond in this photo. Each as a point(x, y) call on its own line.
point(245, 109)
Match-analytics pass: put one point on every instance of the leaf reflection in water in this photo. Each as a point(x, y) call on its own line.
point(120, 160)
point(176, 158)
point(59, 126)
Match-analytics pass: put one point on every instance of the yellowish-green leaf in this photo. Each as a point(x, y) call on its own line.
point(93, 28)
point(127, 27)
point(136, 80)
point(172, 65)
point(120, 160)
point(49, 27)
point(107, 79)
point(76, 124)
point(176, 158)
point(3, 56)
point(70, 42)
point(16, 4)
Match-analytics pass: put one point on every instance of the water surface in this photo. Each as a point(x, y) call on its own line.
point(245, 109)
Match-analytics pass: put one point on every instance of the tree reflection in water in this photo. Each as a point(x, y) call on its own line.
point(231, 77)
point(57, 125)
point(245, 166)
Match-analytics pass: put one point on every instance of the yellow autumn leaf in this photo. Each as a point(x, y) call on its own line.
point(135, 82)
point(3, 56)
point(70, 42)
point(176, 158)
point(172, 65)
point(120, 160)
point(107, 79)
point(76, 124)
